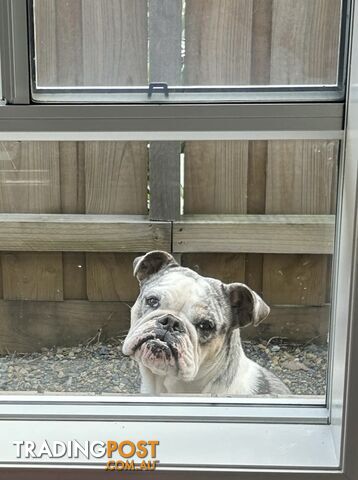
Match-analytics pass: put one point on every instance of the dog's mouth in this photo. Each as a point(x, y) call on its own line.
point(157, 342)
point(158, 350)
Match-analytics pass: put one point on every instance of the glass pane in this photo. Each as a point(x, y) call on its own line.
point(257, 216)
point(200, 48)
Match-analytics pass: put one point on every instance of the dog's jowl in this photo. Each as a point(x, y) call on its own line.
point(185, 332)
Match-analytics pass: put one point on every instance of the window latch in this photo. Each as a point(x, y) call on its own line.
point(158, 87)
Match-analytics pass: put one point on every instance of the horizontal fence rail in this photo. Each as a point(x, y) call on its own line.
point(255, 233)
point(84, 233)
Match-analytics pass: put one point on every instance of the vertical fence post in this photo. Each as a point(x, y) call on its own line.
point(165, 31)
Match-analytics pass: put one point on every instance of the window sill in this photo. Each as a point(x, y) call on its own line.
point(234, 446)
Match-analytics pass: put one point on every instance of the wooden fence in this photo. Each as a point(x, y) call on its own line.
point(75, 214)
point(191, 42)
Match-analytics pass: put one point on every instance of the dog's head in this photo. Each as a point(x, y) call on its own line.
point(181, 321)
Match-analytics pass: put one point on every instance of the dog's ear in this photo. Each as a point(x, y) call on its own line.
point(150, 263)
point(247, 306)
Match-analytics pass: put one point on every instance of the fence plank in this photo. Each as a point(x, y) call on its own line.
point(165, 30)
point(216, 177)
point(74, 276)
point(301, 178)
point(218, 42)
point(164, 177)
point(72, 173)
point(30, 182)
point(69, 45)
point(298, 324)
point(29, 177)
point(227, 267)
point(115, 37)
point(305, 39)
point(116, 177)
point(295, 279)
point(110, 277)
point(254, 234)
point(116, 183)
point(45, 43)
point(29, 276)
point(261, 42)
point(256, 196)
point(29, 326)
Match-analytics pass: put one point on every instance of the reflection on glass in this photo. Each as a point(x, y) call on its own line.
point(257, 216)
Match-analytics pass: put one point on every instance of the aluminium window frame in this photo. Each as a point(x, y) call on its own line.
point(195, 93)
point(182, 122)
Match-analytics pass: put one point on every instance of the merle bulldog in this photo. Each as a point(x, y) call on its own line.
point(185, 332)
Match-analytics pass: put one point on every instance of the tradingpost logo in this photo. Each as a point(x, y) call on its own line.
point(118, 455)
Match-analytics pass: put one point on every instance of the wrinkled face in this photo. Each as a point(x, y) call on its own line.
point(179, 323)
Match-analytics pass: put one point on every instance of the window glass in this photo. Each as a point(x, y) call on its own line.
point(258, 213)
point(200, 48)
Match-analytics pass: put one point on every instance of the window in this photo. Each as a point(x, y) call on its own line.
point(243, 175)
point(200, 50)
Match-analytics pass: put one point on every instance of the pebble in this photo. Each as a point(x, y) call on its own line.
point(101, 368)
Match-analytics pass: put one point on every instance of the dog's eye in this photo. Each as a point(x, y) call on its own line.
point(152, 302)
point(205, 326)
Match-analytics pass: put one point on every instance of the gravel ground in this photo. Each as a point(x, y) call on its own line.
point(96, 367)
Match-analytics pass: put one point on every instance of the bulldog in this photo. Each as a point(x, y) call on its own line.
point(185, 332)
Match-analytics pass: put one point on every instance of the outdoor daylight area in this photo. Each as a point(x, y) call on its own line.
point(69, 301)
point(178, 239)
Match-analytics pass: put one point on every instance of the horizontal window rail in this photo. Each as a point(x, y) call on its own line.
point(54, 120)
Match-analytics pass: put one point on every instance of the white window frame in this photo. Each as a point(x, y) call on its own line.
point(201, 438)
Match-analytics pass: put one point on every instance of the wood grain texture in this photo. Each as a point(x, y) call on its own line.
point(82, 233)
point(295, 279)
point(164, 179)
point(254, 234)
point(115, 37)
point(116, 177)
point(218, 42)
point(30, 182)
point(256, 183)
point(165, 31)
point(29, 177)
point(116, 183)
point(110, 277)
point(227, 267)
point(305, 39)
point(29, 326)
point(301, 177)
point(91, 42)
point(298, 324)
point(254, 271)
point(69, 42)
point(261, 42)
point(215, 177)
point(45, 42)
point(74, 276)
point(72, 174)
point(29, 276)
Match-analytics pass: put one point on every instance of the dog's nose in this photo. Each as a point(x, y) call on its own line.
point(171, 323)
